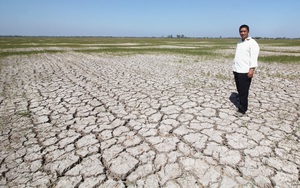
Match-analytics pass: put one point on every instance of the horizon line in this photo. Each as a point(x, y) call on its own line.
point(168, 37)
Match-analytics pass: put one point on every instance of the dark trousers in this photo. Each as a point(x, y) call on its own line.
point(242, 82)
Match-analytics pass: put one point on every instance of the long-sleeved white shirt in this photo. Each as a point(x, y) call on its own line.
point(246, 55)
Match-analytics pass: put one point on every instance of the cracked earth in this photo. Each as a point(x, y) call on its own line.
point(83, 120)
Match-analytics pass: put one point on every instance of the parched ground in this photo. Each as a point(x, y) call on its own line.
point(78, 120)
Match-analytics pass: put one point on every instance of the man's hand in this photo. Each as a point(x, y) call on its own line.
point(250, 73)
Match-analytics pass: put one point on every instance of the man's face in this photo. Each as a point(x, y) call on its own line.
point(244, 33)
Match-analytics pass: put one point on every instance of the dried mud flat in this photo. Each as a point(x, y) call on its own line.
point(78, 120)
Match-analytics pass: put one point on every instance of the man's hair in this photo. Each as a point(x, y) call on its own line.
point(244, 26)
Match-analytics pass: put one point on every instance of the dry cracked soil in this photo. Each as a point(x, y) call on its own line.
point(89, 120)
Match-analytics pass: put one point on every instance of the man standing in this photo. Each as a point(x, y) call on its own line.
point(244, 64)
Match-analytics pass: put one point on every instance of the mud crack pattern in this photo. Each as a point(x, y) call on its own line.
point(79, 120)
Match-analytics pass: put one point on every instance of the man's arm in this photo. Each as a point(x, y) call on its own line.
point(254, 51)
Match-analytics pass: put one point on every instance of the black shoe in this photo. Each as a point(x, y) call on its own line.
point(240, 110)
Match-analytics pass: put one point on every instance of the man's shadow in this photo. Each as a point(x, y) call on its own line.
point(234, 98)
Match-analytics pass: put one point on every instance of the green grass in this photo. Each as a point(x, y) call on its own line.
point(280, 59)
point(24, 113)
point(124, 50)
point(21, 42)
point(282, 51)
point(280, 42)
point(206, 48)
point(10, 53)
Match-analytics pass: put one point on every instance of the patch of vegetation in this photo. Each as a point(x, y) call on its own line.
point(5, 54)
point(24, 113)
point(122, 50)
point(280, 42)
point(281, 51)
point(280, 59)
point(206, 48)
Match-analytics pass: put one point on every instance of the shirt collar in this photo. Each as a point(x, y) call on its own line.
point(247, 39)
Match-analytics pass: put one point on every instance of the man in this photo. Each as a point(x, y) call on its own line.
point(245, 62)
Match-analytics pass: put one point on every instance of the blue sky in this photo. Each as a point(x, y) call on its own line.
point(147, 18)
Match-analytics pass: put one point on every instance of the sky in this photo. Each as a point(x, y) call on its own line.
point(150, 18)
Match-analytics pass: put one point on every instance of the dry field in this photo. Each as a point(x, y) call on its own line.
point(101, 112)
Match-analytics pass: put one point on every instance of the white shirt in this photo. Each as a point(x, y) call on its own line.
point(246, 55)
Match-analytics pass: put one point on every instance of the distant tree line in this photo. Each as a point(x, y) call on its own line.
point(177, 36)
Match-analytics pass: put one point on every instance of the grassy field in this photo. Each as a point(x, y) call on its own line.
point(272, 50)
